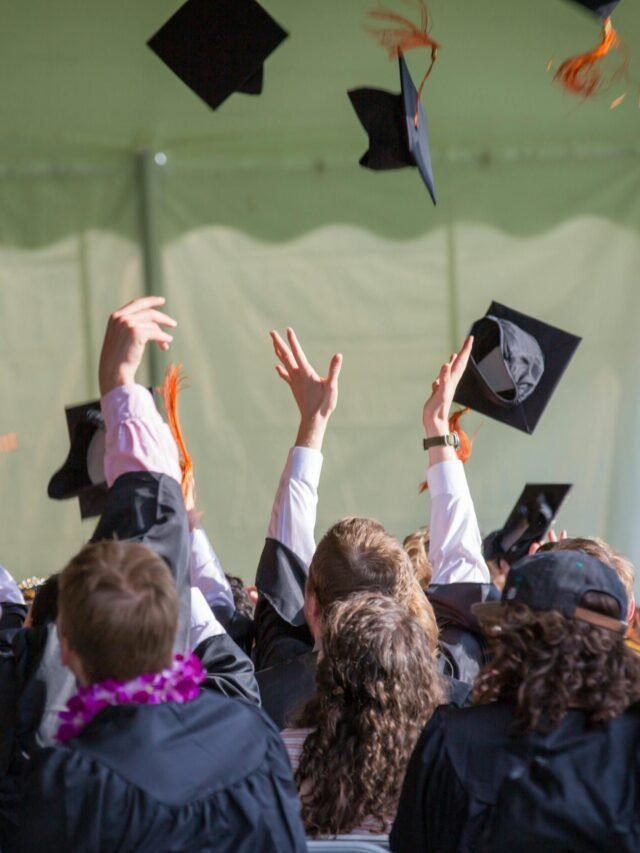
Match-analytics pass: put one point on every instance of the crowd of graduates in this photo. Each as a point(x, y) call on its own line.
point(411, 693)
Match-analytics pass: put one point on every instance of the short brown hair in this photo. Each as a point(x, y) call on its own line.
point(358, 555)
point(377, 685)
point(601, 550)
point(417, 547)
point(118, 610)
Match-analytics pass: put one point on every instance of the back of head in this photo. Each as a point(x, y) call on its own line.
point(118, 610)
point(377, 685)
point(44, 609)
point(417, 547)
point(557, 642)
point(358, 555)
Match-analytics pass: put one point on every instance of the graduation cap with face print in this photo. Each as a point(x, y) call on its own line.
point(218, 47)
point(515, 366)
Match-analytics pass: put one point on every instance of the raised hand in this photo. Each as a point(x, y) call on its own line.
point(128, 331)
point(315, 396)
point(551, 537)
point(435, 414)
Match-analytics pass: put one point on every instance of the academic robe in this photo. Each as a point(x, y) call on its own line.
point(285, 655)
point(208, 775)
point(472, 784)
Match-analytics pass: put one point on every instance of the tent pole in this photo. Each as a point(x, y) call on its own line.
point(452, 280)
point(147, 167)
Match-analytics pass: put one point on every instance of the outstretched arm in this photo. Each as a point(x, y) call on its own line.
point(455, 547)
point(294, 510)
point(137, 439)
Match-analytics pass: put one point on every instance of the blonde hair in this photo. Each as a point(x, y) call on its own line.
point(417, 547)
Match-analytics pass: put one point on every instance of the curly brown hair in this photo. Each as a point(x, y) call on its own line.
point(377, 685)
point(545, 664)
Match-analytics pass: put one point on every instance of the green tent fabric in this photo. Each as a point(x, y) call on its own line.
point(115, 180)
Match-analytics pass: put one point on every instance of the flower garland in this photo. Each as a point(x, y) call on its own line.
point(178, 683)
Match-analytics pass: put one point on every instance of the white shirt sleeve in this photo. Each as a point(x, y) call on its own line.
point(9, 591)
point(293, 518)
point(455, 544)
point(203, 623)
point(207, 573)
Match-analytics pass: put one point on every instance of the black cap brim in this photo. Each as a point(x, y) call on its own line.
point(218, 47)
point(558, 348)
point(530, 520)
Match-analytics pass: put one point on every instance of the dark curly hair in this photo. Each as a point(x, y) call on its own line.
point(377, 685)
point(544, 664)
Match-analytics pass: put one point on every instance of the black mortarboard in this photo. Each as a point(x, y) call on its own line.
point(395, 141)
point(515, 365)
point(602, 10)
point(218, 47)
point(529, 521)
point(82, 475)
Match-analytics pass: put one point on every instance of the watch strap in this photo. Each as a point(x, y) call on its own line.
point(451, 439)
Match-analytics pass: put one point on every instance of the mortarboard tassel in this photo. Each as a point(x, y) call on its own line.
point(464, 451)
point(406, 36)
point(174, 382)
point(582, 75)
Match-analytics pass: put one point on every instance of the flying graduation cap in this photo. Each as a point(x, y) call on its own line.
point(583, 75)
point(395, 139)
point(82, 474)
point(515, 365)
point(218, 47)
point(529, 521)
point(397, 124)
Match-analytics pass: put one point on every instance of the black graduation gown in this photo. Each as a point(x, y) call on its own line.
point(463, 650)
point(473, 785)
point(209, 775)
point(149, 508)
point(284, 656)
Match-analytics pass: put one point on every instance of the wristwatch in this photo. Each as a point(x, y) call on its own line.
point(452, 439)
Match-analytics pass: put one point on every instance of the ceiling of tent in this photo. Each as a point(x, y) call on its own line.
point(79, 77)
point(80, 93)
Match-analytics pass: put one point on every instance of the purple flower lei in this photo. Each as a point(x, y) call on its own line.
point(179, 683)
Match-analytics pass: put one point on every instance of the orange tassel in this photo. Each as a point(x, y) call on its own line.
point(406, 36)
point(466, 444)
point(582, 75)
point(173, 383)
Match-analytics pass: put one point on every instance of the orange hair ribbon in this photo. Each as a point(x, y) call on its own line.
point(464, 451)
point(582, 75)
point(174, 382)
point(406, 36)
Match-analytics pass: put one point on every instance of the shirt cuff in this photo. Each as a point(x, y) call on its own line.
point(447, 478)
point(305, 464)
point(128, 402)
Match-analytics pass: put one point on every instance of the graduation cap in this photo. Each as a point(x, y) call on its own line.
point(583, 75)
point(397, 128)
point(515, 365)
point(529, 521)
point(82, 474)
point(217, 47)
